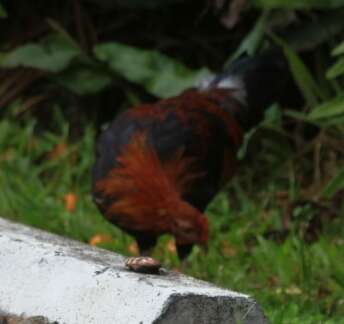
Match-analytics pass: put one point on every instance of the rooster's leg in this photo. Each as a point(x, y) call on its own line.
point(146, 243)
point(184, 251)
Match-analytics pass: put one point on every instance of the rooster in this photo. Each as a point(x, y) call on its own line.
point(159, 165)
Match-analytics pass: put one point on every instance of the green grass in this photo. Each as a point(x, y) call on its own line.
point(295, 282)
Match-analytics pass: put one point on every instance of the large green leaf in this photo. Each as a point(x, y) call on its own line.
point(157, 73)
point(330, 109)
point(315, 31)
point(54, 54)
point(303, 77)
point(336, 70)
point(135, 4)
point(84, 80)
point(251, 42)
point(299, 4)
point(338, 50)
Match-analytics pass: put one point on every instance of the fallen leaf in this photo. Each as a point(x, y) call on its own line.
point(338, 241)
point(273, 281)
point(171, 247)
point(133, 249)
point(70, 199)
point(282, 195)
point(323, 292)
point(59, 150)
point(7, 155)
point(278, 291)
point(74, 157)
point(293, 290)
point(228, 250)
point(100, 238)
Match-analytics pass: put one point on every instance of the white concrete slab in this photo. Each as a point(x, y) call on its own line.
point(74, 283)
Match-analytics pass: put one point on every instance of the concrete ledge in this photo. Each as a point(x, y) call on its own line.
point(70, 282)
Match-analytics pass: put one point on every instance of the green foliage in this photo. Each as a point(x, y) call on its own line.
point(157, 73)
point(85, 79)
point(3, 13)
point(339, 49)
point(34, 194)
point(304, 79)
point(135, 4)
point(330, 109)
point(43, 162)
point(294, 282)
point(299, 4)
point(338, 68)
point(146, 4)
point(54, 54)
point(334, 185)
point(327, 112)
point(251, 42)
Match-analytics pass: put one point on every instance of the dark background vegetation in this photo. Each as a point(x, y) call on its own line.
point(68, 67)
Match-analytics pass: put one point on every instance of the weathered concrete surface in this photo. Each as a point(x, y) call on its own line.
point(70, 282)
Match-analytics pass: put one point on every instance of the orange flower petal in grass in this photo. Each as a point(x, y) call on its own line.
point(133, 249)
point(100, 238)
point(171, 247)
point(58, 150)
point(228, 250)
point(70, 199)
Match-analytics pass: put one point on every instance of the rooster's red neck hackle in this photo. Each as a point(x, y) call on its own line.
point(148, 191)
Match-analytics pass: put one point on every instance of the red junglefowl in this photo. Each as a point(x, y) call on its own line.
point(159, 165)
